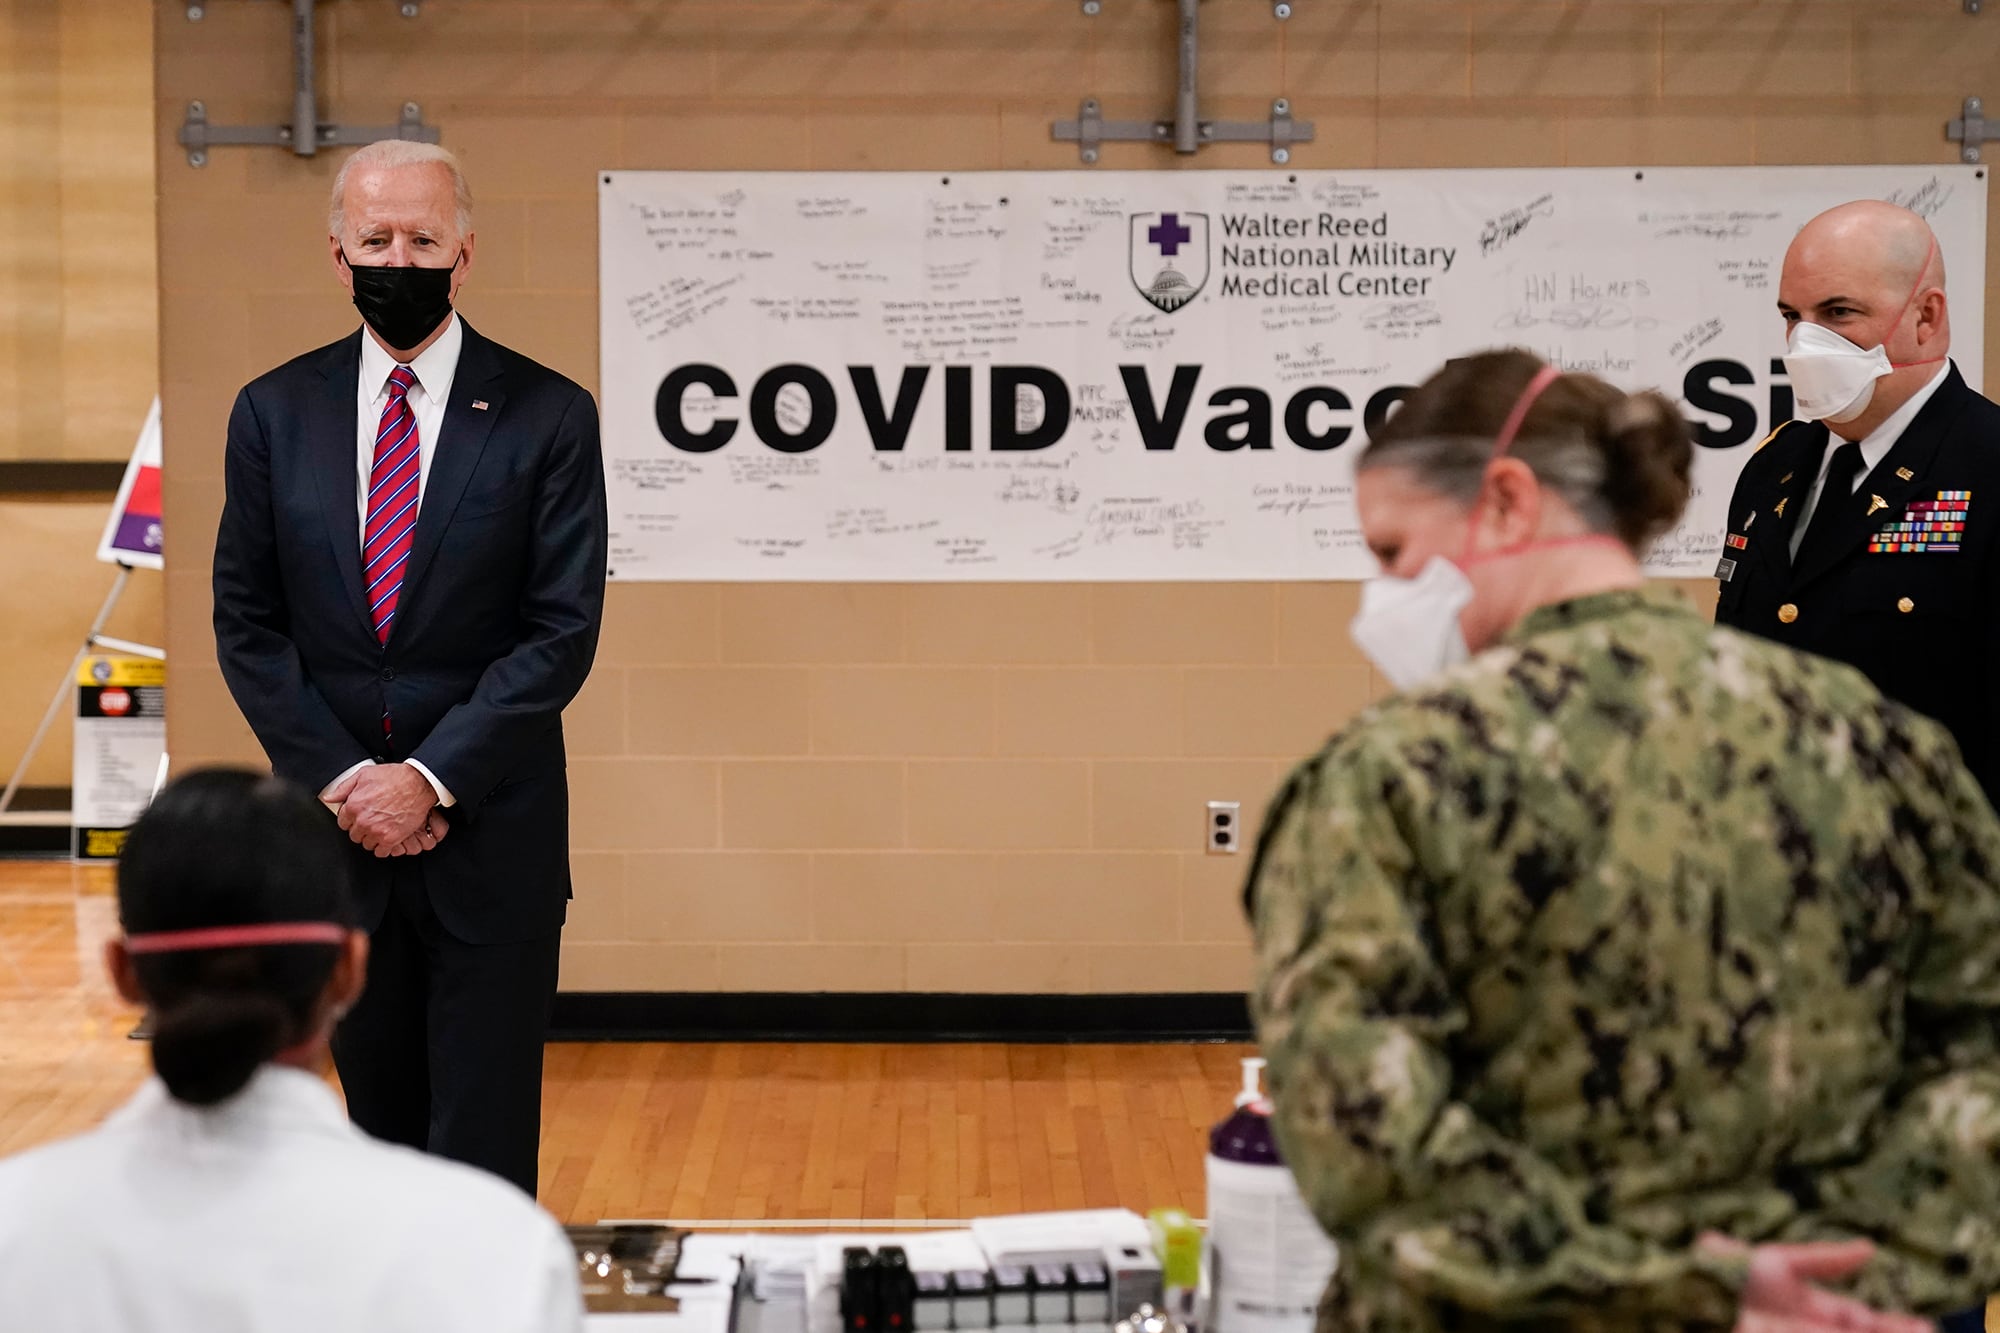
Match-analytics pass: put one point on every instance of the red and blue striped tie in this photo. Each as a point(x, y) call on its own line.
point(392, 503)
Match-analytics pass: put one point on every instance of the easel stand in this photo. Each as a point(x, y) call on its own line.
point(94, 641)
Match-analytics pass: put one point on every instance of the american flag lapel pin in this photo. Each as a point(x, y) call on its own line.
point(479, 404)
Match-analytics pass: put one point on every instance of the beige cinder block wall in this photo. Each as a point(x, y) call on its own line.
point(933, 788)
point(78, 331)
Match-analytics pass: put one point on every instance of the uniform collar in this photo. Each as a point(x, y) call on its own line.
point(1600, 606)
point(276, 1098)
point(1877, 443)
point(434, 368)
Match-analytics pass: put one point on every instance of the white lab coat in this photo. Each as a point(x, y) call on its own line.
point(269, 1214)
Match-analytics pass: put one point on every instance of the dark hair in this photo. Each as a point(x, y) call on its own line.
point(228, 847)
point(1621, 460)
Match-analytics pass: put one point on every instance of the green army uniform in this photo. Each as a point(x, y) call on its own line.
point(1626, 930)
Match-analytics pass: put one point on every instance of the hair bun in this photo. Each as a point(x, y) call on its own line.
point(207, 1047)
point(1649, 457)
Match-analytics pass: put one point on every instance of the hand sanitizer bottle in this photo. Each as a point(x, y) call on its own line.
point(1268, 1260)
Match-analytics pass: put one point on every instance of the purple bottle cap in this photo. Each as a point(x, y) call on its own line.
point(1246, 1135)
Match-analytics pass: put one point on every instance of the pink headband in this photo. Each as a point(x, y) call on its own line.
point(237, 937)
point(1544, 377)
point(1504, 441)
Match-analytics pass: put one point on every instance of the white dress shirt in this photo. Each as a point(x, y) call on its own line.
point(434, 368)
point(269, 1214)
point(1875, 447)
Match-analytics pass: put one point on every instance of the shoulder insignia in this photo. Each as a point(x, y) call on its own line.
point(1773, 435)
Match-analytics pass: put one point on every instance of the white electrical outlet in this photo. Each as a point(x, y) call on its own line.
point(1225, 827)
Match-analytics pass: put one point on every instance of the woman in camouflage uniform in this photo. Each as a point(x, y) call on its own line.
point(1625, 930)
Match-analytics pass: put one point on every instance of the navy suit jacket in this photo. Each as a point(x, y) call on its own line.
point(1924, 626)
point(495, 630)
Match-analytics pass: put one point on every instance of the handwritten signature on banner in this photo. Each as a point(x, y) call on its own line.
point(655, 473)
point(1752, 275)
point(1696, 338)
point(1926, 200)
point(1577, 316)
point(1498, 231)
point(678, 303)
point(772, 472)
point(874, 521)
point(1335, 193)
point(1709, 225)
point(1314, 361)
point(1142, 333)
point(1399, 321)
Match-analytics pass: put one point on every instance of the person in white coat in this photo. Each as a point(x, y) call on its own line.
point(232, 1192)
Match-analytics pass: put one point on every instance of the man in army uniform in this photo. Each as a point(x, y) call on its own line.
point(1625, 935)
point(1861, 534)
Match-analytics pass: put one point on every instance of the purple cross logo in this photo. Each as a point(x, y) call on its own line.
point(1169, 235)
point(1168, 257)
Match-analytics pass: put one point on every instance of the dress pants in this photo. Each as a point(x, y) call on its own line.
point(444, 1050)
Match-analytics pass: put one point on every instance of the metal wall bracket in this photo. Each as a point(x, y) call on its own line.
point(411, 9)
point(198, 136)
point(307, 134)
point(1090, 130)
point(1187, 132)
point(1971, 130)
point(1280, 9)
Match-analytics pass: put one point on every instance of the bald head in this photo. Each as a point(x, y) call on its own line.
point(1870, 238)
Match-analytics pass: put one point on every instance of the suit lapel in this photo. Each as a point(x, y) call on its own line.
point(1859, 514)
point(333, 446)
point(1770, 536)
point(461, 441)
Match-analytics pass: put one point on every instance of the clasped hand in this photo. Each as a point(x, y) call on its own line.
point(390, 809)
point(1780, 1295)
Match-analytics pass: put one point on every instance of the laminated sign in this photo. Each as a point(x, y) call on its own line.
point(121, 732)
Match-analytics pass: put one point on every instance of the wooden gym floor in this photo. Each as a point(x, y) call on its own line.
point(694, 1132)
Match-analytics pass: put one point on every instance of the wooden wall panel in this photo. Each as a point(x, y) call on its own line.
point(78, 306)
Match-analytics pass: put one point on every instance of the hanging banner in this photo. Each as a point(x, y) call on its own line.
point(121, 732)
point(133, 535)
point(1158, 375)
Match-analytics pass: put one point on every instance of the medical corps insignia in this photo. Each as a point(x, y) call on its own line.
point(1169, 257)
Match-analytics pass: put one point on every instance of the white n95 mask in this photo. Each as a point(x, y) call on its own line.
point(1832, 379)
point(1409, 627)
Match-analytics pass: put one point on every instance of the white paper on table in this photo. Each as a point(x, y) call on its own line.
point(1025, 1239)
point(707, 1255)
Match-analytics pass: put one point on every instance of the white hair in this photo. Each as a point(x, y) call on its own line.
point(400, 153)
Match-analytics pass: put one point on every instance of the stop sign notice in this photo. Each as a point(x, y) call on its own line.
point(121, 732)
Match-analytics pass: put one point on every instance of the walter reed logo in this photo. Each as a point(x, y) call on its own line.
point(1169, 257)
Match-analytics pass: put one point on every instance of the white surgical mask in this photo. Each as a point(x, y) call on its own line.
point(1409, 627)
point(1832, 379)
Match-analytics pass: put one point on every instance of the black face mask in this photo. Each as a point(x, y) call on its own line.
point(404, 305)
